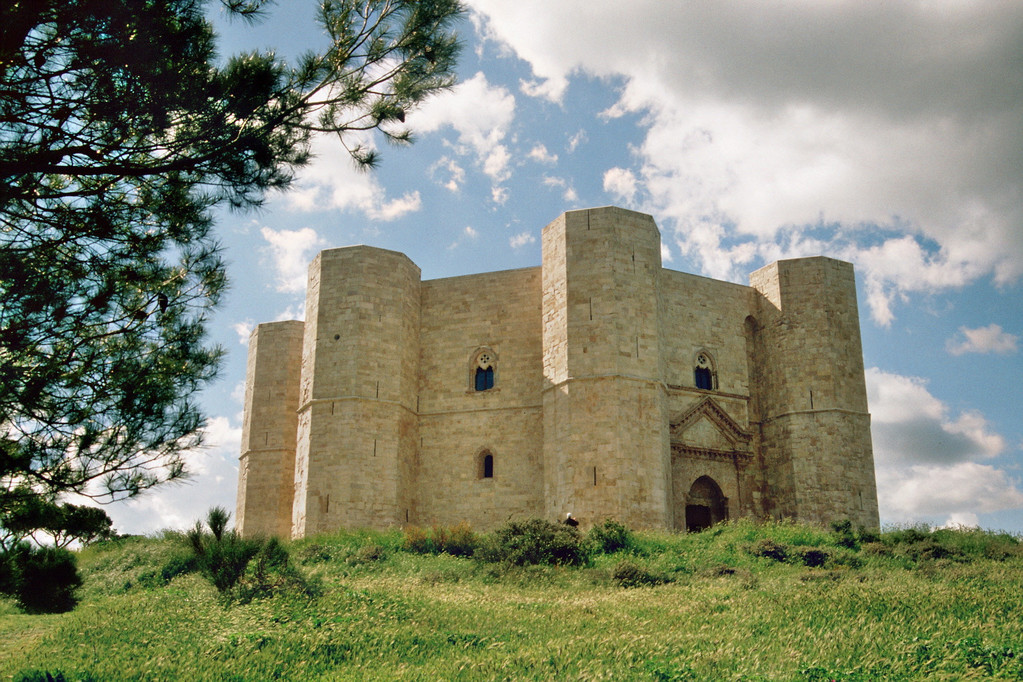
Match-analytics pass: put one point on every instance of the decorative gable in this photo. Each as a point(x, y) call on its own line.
point(707, 427)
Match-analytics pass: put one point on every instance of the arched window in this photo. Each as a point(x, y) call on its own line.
point(704, 376)
point(483, 370)
point(485, 466)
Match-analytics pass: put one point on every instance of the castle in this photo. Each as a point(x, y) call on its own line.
point(598, 383)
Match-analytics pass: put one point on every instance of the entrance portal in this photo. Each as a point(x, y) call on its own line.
point(705, 505)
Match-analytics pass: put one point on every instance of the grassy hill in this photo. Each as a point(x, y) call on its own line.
point(739, 601)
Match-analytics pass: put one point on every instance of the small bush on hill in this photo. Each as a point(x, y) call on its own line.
point(813, 557)
point(629, 574)
point(243, 567)
point(536, 541)
point(41, 579)
point(769, 549)
point(457, 540)
point(611, 536)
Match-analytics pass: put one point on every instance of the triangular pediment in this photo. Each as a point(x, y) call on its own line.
point(707, 425)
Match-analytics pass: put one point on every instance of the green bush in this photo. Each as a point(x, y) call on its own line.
point(42, 579)
point(458, 540)
point(629, 574)
point(536, 541)
point(611, 536)
point(813, 557)
point(769, 549)
point(244, 567)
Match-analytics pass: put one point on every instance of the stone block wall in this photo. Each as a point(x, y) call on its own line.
point(498, 313)
point(269, 430)
point(359, 390)
point(369, 414)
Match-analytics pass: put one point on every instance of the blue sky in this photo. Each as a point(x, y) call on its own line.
point(886, 134)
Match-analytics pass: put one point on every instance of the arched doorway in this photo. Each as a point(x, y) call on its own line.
point(705, 505)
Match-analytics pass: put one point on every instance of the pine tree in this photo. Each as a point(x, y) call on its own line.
point(120, 131)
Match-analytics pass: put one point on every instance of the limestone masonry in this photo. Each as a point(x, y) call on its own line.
point(598, 383)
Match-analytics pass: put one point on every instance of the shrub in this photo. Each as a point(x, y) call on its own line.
point(247, 567)
point(458, 540)
point(769, 549)
point(461, 541)
point(844, 535)
point(611, 536)
point(536, 541)
point(813, 557)
point(43, 579)
point(629, 574)
point(418, 541)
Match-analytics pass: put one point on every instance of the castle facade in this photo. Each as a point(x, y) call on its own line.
point(598, 383)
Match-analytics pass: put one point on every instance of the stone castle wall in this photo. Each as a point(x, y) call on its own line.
point(595, 408)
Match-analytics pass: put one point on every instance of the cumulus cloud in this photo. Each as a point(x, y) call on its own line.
point(893, 127)
point(911, 426)
point(931, 464)
point(481, 115)
point(620, 183)
point(289, 253)
point(453, 174)
point(568, 192)
point(989, 339)
point(540, 154)
point(243, 330)
point(332, 181)
point(966, 488)
point(521, 239)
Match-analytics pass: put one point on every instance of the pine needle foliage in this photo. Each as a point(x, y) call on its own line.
point(121, 129)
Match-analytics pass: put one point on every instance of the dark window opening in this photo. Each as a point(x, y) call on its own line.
point(488, 466)
point(704, 378)
point(484, 378)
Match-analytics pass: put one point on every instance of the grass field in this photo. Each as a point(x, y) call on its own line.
point(736, 602)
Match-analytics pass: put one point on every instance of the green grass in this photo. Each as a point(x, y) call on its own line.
point(914, 605)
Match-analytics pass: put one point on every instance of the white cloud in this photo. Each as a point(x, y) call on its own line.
point(568, 192)
point(480, 114)
point(243, 330)
point(214, 482)
point(989, 339)
point(621, 183)
point(910, 426)
point(765, 120)
point(455, 173)
point(470, 232)
point(540, 154)
point(289, 252)
point(927, 461)
point(576, 140)
point(908, 495)
point(332, 181)
point(521, 239)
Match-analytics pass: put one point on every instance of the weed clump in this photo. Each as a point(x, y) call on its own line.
point(536, 541)
point(240, 567)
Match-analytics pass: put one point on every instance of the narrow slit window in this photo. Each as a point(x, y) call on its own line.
point(488, 466)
